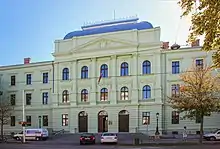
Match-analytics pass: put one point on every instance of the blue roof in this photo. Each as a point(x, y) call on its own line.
point(114, 28)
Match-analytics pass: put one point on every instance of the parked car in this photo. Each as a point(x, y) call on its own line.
point(33, 134)
point(212, 136)
point(109, 138)
point(87, 138)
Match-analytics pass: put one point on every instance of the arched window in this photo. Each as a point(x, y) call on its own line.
point(84, 72)
point(146, 67)
point(104, 70)
point(84, 95)
point(65, 74)
point(124, 69)
point(104, 94)
point(146, 92)
point(124, 93)
point(65, 96)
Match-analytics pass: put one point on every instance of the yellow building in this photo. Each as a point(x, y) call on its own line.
point(110, 76)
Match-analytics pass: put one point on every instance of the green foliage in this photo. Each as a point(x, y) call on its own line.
point(206, 21)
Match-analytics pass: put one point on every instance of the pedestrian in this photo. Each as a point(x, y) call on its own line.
point(184, 134)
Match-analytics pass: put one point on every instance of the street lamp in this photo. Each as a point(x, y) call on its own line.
point(157, 130)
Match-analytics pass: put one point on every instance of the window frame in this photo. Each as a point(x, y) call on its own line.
point(45, 77)
point(175, 117)
point(84, 95)
point(28, 97)
point(124, 93)
point(145, 118)
point(146, 92)
point(65, 74)
point(175, 67)
point(65, 120)
point(146, 67)
point(84, 72)
point(104, 94)
point(13, 80)
point(45, 95)
point(65, 96)
point(28, 79)
point(124, 69)
point(104, 70)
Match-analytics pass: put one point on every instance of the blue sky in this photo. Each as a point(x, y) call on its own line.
point(28, 28)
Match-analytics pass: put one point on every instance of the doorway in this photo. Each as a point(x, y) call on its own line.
point(83, 121)
point(123, 121)
point(102, 121)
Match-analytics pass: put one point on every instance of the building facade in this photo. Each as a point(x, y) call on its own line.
point(112, 76)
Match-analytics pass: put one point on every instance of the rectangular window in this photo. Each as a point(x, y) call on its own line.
point(28, 98)
point(64, 119)
point(145, 118)
point(45, 120)
point(28, 79)
point(199, 63)
point(175, 117)
point(45, 77)
point(12, 99)
point(175, 90)
point(13, 80)
point(12, 120)
point(45, 98)
point(28, 120)
point(175, 67)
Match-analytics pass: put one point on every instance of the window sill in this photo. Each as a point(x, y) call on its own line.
point(83, 103)
point(124, 101)
point(65, 80)
point(63, 104)
point(103, 102)
point(147, 100)
point(148, 74)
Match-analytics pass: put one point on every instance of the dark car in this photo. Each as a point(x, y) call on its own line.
point(87, 138)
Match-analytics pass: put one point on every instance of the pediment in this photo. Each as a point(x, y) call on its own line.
point(102, 44)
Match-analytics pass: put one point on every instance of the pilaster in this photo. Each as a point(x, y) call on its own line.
point(73, 97)
point(94, 82)
point(113, 74)
point(134, 73)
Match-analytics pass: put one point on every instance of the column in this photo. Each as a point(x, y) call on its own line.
point(94, 77)
point(74, 74)
point(135, 73)
point(55, 96)
point(114, 74)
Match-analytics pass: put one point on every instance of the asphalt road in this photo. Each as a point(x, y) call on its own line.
point(41, 146)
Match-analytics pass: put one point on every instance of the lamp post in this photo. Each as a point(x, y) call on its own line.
point(157, 130)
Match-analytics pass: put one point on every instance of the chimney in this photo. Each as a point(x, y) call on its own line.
point(165, 45)
point(196, 43)
point(27, 60)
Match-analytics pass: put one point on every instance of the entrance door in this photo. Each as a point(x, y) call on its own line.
point(102, 121)
point(123, 122)
point(83, 122)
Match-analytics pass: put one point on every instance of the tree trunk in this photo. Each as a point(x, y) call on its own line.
point(2, 133)
point(201, 129)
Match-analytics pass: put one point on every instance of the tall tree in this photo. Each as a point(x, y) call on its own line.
point(5, 113)
point(205, 21)
point(197, 96)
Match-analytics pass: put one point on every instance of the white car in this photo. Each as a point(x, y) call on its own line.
point(212, 136)
point(109, 138)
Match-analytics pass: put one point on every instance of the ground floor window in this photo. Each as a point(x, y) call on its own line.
point(145, 118)
point(45, 120)
point(12, 120)
point(28, 120)
point(64, 119)
point(175, 117)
